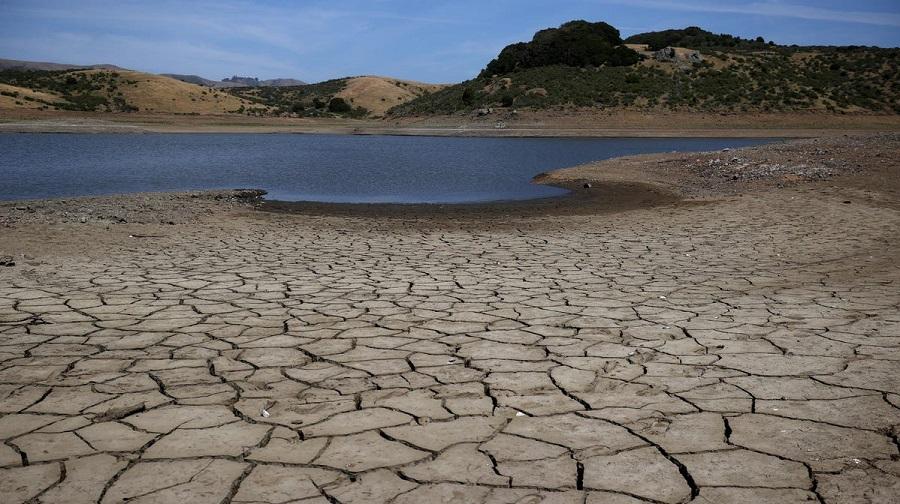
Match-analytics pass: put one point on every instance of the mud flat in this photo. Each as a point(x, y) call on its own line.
point(728, 330)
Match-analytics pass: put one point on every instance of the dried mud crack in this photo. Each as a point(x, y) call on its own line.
point(743, 350)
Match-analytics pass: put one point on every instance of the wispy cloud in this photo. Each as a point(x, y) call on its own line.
point(772, 9)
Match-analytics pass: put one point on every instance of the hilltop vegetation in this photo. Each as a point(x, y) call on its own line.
point(311, 100)
point(693, 37)
point(576, 44)
point(729, 74)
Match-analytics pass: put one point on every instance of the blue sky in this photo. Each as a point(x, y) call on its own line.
point(428, 40)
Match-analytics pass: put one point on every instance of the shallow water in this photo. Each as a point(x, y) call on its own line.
point(329, 168)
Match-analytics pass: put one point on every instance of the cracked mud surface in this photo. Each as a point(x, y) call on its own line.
point(740, 351)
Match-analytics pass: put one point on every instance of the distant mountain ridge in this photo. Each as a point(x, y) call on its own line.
point(236, 81)
point(11, 64)
point(230, 82)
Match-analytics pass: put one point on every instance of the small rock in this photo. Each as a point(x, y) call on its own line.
point(587, 185)
point(121, 412)
point(7, 261)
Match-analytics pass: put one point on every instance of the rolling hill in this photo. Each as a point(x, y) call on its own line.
point(101, 90)
point(52, 86)
point(365, 96)
point(588, 65)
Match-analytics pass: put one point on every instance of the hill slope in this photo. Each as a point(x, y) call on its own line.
point(365, 96)
point(726, 74)
point(52, 86)
point(111, 91)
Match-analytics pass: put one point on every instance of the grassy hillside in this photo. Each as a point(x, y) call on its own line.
point(729, 75)
point(110, 91)
point(356, 96)
point(102, 90)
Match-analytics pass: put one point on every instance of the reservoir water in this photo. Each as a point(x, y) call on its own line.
point(328, 168)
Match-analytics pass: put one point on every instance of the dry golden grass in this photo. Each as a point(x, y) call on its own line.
point(378, 94)
point(147, 92)
point(9, 102)
point(155, 93)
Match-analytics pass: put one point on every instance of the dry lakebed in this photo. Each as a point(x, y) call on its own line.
point(719, 327)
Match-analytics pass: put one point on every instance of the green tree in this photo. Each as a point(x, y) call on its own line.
point(339, 106)
point(575, 44)
point(468, 96)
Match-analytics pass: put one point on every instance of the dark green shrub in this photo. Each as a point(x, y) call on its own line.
point(339, 106)
point(468, 96)
point(576, 44)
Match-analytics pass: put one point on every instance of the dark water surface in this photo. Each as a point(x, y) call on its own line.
point(329, 168)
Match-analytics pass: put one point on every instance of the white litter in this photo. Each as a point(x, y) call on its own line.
point(519, 413)
point(263, 413)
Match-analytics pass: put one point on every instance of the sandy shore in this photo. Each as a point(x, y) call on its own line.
point(718, 327)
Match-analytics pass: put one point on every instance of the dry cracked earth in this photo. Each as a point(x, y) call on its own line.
point(739, 352)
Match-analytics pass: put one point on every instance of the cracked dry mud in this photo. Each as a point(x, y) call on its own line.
point(741, 351)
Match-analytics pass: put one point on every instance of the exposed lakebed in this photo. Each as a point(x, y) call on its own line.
point(325, 168)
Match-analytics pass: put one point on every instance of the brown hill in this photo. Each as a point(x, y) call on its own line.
point(363, 96)
point(378, 94)
point(20, 97)
point(156, 93)
point(111, 91)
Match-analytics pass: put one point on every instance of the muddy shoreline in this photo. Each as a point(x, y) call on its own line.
point(866, 162)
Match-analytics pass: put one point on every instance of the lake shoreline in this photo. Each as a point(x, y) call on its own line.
point(524, 124)
point(333, 168)
point(641, 182)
